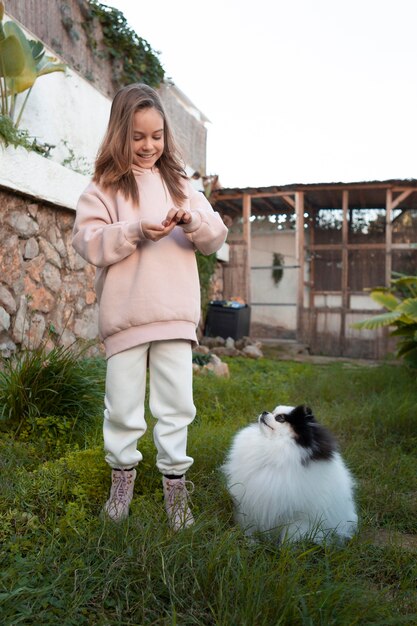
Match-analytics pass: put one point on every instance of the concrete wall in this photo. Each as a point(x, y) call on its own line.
point(74, 108)
point(280, 308)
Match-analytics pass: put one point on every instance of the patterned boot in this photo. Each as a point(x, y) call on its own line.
point(176, 502)
point(121, 494)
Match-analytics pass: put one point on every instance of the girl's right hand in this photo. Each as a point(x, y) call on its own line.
point(155, 232)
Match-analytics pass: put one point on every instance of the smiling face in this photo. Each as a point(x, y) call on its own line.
point(148, 137)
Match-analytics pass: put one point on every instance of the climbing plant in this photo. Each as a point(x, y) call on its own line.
point(133, 58)
point(277, 267)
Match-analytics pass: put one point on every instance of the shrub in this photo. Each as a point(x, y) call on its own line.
point(38, 384)
point(400, 300)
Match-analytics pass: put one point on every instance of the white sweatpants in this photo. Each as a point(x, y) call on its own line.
point(171, 404)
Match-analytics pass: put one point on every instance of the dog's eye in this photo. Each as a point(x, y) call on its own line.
point(280, 418)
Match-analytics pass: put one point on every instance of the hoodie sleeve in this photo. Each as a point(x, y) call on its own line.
point(206, 230)
point(97, 237)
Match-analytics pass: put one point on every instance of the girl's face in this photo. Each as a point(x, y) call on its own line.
point(148, 137)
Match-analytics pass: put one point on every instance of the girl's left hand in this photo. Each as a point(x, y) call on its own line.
point(179, 216)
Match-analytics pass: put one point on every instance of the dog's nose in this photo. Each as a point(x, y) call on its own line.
point(264, 413)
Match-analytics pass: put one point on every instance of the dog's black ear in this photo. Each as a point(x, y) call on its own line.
point(308, 413)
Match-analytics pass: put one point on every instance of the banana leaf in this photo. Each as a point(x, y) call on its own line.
point(388, 300)
point(26, 78)
point(12, 58)
point(378, 321)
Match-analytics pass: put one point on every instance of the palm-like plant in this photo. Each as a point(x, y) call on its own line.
point(400, 302)
point(22, 61)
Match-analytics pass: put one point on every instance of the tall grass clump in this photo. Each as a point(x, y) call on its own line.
point(39, 384)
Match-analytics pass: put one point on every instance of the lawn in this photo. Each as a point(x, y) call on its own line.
point(62, 564)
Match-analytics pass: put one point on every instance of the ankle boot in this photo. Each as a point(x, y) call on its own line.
point(121, 494)
point(176, 502)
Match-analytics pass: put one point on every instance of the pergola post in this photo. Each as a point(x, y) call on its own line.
point(299, 245)
point(247, 240)
point(345, 269)
point(388, 237)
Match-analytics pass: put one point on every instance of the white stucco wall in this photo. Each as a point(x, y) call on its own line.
point(263, 287)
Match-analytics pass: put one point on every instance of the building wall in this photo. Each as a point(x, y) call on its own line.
point(44, 285)
point(77, 120)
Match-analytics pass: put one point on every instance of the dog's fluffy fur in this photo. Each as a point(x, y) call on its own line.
point(287, 478)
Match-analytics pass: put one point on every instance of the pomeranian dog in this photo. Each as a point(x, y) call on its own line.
point(288, 480)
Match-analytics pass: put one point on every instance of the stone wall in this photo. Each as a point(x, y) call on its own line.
point(45, 287)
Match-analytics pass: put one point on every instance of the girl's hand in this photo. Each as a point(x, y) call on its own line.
point(155, 232)
point(177, 217)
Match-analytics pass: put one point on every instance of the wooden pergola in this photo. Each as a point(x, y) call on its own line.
point(307, 201)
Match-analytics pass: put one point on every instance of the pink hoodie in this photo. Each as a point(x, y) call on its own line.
point(147, 291)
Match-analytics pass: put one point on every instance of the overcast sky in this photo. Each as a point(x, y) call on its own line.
point(296, 90)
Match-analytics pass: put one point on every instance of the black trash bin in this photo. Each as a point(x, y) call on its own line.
point(227, 319)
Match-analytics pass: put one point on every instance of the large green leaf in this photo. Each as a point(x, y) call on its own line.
point(27, 76)
point(409, 308)
point(378, 321)
point(388, 300)
point(12, 57)
point(47, 65)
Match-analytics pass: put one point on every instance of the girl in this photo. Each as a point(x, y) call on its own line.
point(139, 222)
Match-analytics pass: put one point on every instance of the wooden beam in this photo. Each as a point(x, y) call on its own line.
point(345, 269)
point(401, 197)
point(247, 239)
point(289, 201)
point(388, 238)
point(299, 252)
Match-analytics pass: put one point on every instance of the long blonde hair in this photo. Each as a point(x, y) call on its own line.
point(113, 166)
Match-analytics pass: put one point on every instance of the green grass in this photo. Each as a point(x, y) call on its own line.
point(61, 564)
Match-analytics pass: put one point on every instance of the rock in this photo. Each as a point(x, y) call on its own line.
point(221, 369)
point(34, 268)
point(201, 350)
point(252, 352)
point(212, 342)
point(20, 324)
point(223, 351)
point(230, 342)
point(39, 298)
point(34, 337)
point(7, 300)
point(4, 319)
point(7, 347)
point(22, 223)
point(52, 277)
point(10, 261)
point(86, 325)
point(50, 253)
point(31, 249)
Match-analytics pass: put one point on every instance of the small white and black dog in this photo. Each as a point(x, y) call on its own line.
point(288, 480)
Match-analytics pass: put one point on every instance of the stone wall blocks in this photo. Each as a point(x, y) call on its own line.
point(39, 298)
point(7, 300)
point(22, 223)
point(50, 252)
point(20, 323)
point(86, 326)
point(31, 249)
point(33, 338)
point(33, 209)
point(4, 319)
point(35, 267)
point(7, 346)
point(57, 242)
point(10, 259)
point(52, 277)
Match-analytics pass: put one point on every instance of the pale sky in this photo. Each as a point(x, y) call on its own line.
point(296, 91)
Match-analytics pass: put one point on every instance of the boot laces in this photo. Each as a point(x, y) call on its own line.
point(121, 482)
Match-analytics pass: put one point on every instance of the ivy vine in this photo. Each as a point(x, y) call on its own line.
point(133, 58)
point(206, 266)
